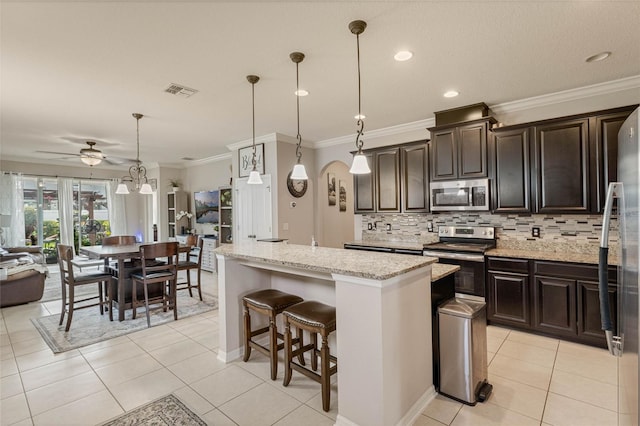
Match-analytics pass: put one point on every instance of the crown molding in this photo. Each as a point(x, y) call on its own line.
point(628, 83)
point(271, 137)
point(212, 159)
point(622, 84)
point(420, 125)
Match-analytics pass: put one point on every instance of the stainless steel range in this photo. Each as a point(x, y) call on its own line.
point(464, 246)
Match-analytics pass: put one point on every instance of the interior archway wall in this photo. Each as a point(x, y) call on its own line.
point(335, 227)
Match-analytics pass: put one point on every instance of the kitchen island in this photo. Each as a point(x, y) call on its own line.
point(383, 309)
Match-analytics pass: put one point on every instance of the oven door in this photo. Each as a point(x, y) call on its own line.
point(470, 279)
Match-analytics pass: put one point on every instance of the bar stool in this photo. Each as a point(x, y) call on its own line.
point(316, 318)
point(269, 302)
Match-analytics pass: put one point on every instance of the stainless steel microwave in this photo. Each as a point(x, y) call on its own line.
point(460, 195)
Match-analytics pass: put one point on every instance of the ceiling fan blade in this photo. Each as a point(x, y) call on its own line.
point(58, 153)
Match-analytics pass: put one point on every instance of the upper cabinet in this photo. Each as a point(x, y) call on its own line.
point(398, 181)
point(561, 165)
point(561, 158)
point(460, 151)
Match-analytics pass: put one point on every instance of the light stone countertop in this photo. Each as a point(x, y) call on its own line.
point(364, 264)
point(441, 270)
point(408, 245)
point(557, 256)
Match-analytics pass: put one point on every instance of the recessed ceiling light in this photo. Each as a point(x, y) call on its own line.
point(598, 57)
point(450, 94)
point(301, 92)
point(403, 55)
point(359, 116)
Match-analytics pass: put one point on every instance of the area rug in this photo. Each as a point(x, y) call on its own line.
point(164, 411)
point(89, 327)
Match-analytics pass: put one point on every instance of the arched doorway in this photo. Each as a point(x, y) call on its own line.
point(335, 222)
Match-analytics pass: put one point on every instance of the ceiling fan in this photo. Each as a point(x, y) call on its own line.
point(91, 156)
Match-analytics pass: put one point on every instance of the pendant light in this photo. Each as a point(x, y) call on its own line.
point(254, 176)
point(299, 172)
point(137, 173)
point(359, 165)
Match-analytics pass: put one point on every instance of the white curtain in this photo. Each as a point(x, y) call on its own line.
point(12, 209)
point(117, 212)
point(65, 210)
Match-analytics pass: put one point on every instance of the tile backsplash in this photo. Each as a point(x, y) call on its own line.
point(576, 233)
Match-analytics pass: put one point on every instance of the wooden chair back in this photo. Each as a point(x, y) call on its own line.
point(192, 240)
point(119, 240)
point(149, 252)
point(65, 256)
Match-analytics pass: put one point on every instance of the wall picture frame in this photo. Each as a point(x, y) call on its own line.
point(342, 197)
point(331, 188)
point(245, 155)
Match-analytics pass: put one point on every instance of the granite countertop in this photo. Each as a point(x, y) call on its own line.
point(441, 270)
point(557, 256)
point(377, 266)
point(407, 245)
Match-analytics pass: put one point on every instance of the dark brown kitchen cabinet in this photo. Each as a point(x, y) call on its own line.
point(557, 299)
point(364, 189)
point(414, 167)
point(605, 133)
point(510, 152)
point(387, 179)
point(561, 159)
point(398, 181)
point(554, 305)
point(460, 152)
point(589, 323)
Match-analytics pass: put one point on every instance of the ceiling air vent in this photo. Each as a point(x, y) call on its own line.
point(180, 90)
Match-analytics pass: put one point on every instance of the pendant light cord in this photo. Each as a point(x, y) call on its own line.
point(298, 136)
point(253, 124)
point(360, 122)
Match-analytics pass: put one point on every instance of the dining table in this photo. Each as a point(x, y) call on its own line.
point(120, 253)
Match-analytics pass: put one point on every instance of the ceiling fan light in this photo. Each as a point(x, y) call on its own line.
point(254, 178)
point(146, 189)
point(299, 172)
point(122, 189)
point(91, 160)
point(360, 166)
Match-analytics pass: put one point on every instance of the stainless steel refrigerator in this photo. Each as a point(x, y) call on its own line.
point(623, 342)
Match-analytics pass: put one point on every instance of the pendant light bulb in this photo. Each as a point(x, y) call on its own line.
point(359, 165)
point(254, 176)
point(299, 172)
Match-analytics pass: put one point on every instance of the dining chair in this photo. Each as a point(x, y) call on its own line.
point(154, 274)
point(71, 279)
point(188, 265)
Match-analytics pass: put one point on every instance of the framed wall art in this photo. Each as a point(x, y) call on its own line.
point(343, 196)
point(331, 188)
point(245, 155)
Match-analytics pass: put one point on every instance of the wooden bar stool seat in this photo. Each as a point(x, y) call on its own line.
point(316, 318)
point(269, 302)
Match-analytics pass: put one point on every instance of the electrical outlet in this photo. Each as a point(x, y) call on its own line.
point(429, 226)
point(370, 226)
point(388, 227)
point(535, 232)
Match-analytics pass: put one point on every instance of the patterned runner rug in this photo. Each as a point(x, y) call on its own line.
point(164, 411)
point(89, 327)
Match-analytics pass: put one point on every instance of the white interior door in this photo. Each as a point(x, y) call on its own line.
point(253, 210)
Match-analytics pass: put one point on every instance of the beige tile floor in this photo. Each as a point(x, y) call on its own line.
point(537, 380)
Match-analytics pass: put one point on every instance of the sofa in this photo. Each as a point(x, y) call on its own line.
point(25, 275)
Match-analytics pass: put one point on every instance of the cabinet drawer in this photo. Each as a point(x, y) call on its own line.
point(508, 265)
point(571, 270)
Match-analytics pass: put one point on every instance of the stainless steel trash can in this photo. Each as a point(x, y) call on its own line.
point(463, 350)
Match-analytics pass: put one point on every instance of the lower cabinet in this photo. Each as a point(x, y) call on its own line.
point(552, 298)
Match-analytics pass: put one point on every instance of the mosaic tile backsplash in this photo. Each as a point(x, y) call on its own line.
point(575, 233)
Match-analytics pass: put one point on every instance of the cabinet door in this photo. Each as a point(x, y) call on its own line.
point(606, 134)
point(415, 183)
point(589, 323)
point(472, 151)
point(562, 163)
point(511, 156)
point(387, 180)
point(508, 299)
point(252, 212)
point(554, 305)
point(444, 161)
point(364, 188)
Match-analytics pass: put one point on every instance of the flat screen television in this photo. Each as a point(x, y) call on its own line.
point(207, 210)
